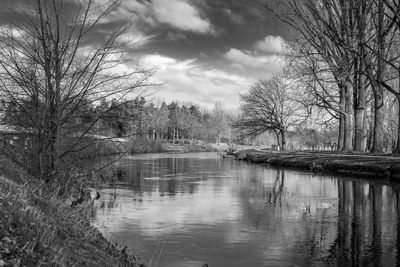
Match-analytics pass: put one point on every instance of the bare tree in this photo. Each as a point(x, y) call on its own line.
point(48, 59)
point(375, 67)
point(313, 74)
point(219, 122)
point(354, 38)
point(271, 105)
point(157, 120)
point(383, 60)
point(325, 27)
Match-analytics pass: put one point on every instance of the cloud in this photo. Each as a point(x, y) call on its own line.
point(246, 58)
point(270, 44)
point(176, 37)
point(253, 63)
point(188, 80)
point(177, 14)
point(135, 39)
point(181, 15)
point(140, 12)
point(235, 18)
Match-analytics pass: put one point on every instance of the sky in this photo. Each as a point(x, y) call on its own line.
point(205, 51)
point(208, 50)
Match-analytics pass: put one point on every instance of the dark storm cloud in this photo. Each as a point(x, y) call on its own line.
point(12, 10)
point(22, 12)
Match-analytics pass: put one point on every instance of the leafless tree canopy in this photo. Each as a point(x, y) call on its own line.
point(347, 57)
point(271, 105)
point(50, 65)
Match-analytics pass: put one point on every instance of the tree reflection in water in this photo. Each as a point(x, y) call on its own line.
point(367, 228)
point(368, 224)
point(229, 210)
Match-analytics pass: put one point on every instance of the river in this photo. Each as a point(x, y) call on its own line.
point(196, 208)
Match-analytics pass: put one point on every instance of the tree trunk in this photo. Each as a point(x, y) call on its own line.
point(342, 118)
point(397, 148)
point(349, 117)
point(341, 133)
point(278, 139)
point(40, 167)
point(360, 138)
point(52, 134)
point(348, 132)
point(283, 140)
point(360, 141)
point(378, 144)
point(378, 132)
point(370, 131)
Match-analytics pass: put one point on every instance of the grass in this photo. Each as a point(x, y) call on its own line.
point(355, 164)
point(145, 145)
point(40, 228)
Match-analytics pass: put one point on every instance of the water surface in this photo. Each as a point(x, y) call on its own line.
point(191, 209)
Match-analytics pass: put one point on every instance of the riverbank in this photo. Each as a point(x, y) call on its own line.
point(206, 147)
point(37, 227)
point(378, 166)
point(145, 145)
point(106, 146)
point(170, 147)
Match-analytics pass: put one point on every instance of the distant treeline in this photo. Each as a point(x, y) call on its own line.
point(173, 121)
point(138, 118)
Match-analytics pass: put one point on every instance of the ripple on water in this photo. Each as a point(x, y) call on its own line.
point(192, 209)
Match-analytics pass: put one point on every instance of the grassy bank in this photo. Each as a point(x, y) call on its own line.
point(379, 166)
point(106, 146)
point(40, 228)
point(144, 145)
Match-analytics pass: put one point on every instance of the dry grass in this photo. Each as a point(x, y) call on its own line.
point(39, 228)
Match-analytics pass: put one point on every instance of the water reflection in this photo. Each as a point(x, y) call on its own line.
point(191, 209)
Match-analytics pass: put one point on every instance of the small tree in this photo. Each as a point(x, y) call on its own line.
point(270, 106)
point(156, 120)
point(219, 122)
